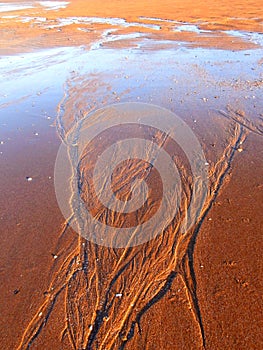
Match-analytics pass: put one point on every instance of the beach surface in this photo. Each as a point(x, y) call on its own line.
point(62, 64)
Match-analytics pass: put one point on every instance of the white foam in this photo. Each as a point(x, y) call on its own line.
point(9, 17)
point(101, 20)
point(33, 19)
point(191, 28)
point(54, 5)
point(8, 7)
point(86, 30)
point(107, 37)
point(256, 38)
point(156, 19)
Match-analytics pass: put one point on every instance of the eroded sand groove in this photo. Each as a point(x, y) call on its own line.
point(239, 116)
point(108, 290)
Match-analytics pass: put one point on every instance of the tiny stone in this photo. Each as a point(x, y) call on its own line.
point(118, 295)
point(16, 291)
point(29, 178)
point(246, 220)
point(240, 150)
point(2, 142)
point(40, 314)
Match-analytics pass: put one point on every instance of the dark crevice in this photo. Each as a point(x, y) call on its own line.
point(153, 301)
point(192, 242)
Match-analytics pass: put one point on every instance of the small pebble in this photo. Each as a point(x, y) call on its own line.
point(29, 178)
point(16, 291)
point(1, 142)
point(246, 220)
point(118, 295)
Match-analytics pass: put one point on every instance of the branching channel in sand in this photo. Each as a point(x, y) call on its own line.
point(108, 290)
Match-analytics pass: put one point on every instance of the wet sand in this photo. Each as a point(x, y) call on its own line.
point(202, 291)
